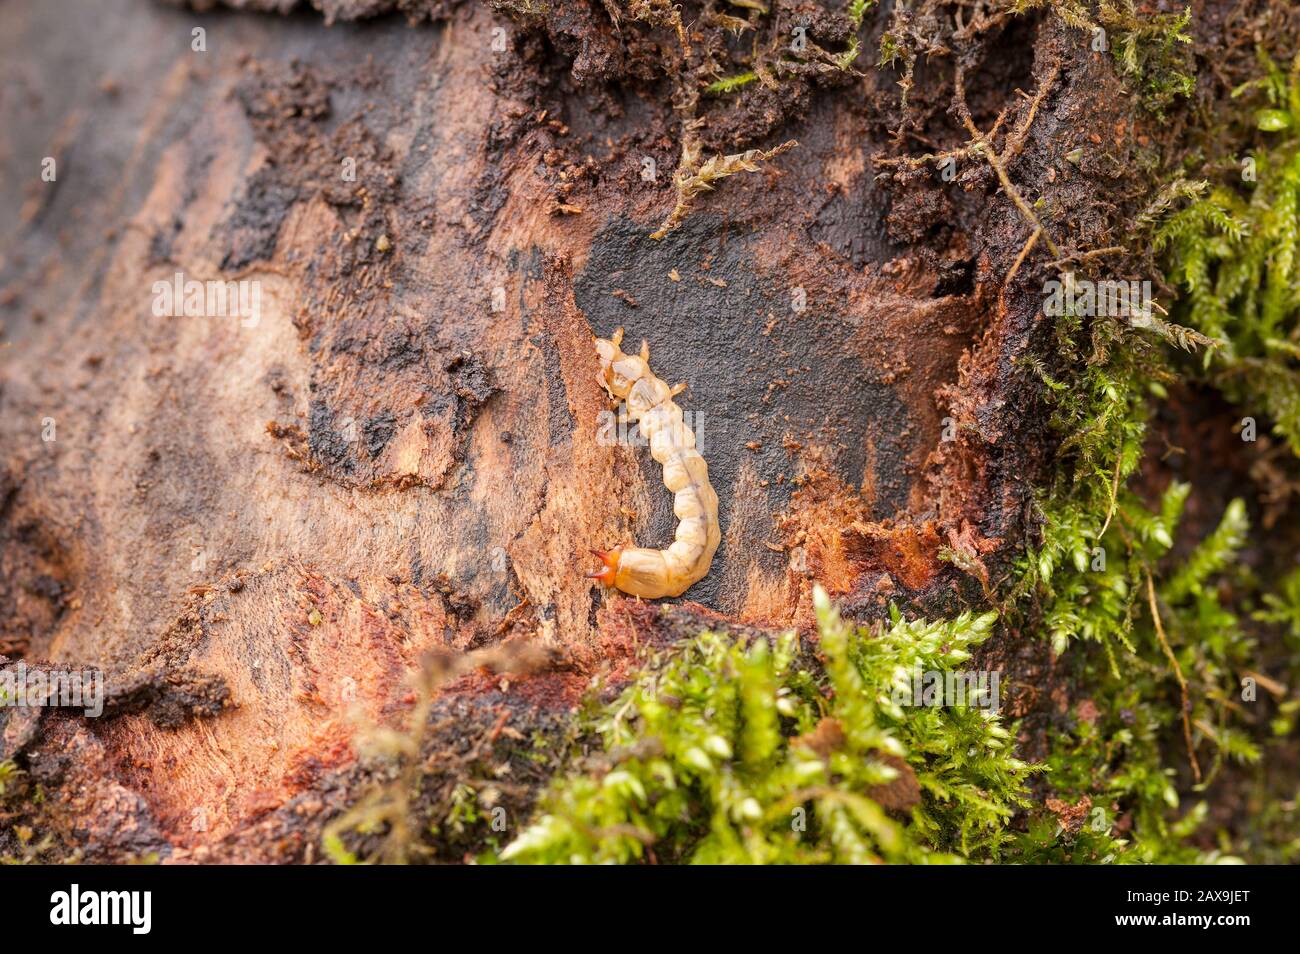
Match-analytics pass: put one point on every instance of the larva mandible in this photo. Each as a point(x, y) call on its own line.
point(637, 570)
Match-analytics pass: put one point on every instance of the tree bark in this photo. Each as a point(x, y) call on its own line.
point(258, 525)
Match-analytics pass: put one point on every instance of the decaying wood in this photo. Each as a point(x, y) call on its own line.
point(258, 529)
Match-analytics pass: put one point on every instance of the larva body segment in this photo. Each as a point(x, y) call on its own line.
point(637, 570)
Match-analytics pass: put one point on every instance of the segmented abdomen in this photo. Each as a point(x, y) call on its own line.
point(656, 573)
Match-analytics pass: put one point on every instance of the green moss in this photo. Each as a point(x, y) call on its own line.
point(857, 9)
point(729, 84)
point(1232, 251)
point(725, 751)
point(1282, 607)
point(1165, 654)
point(1130, 743)
point(1152, 645)
point(728, 751)
point(1152, 51)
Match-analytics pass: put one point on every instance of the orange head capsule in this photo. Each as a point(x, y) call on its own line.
point(610, 559)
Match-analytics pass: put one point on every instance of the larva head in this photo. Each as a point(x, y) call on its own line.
point(610, 559)
point(618, 371)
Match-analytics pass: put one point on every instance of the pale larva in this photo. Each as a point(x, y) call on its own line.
point(656, 573)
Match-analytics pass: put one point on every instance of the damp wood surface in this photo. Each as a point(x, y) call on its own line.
point(257, 531)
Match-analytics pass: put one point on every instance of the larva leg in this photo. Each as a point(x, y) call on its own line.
point(670, 572)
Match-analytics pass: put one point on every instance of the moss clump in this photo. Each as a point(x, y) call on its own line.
point(1232, 252)
point(1169, 657)
point(733, 752)
point(1153, 646)
point(1152, 51)
point(1159, 661)
point(696, 176)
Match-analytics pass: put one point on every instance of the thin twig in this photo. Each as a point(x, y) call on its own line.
point(988, 152)
point(1024, 253)
point(1178, 674)
point(1077, 257)
point(1114, 493)
point(1016, 141)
